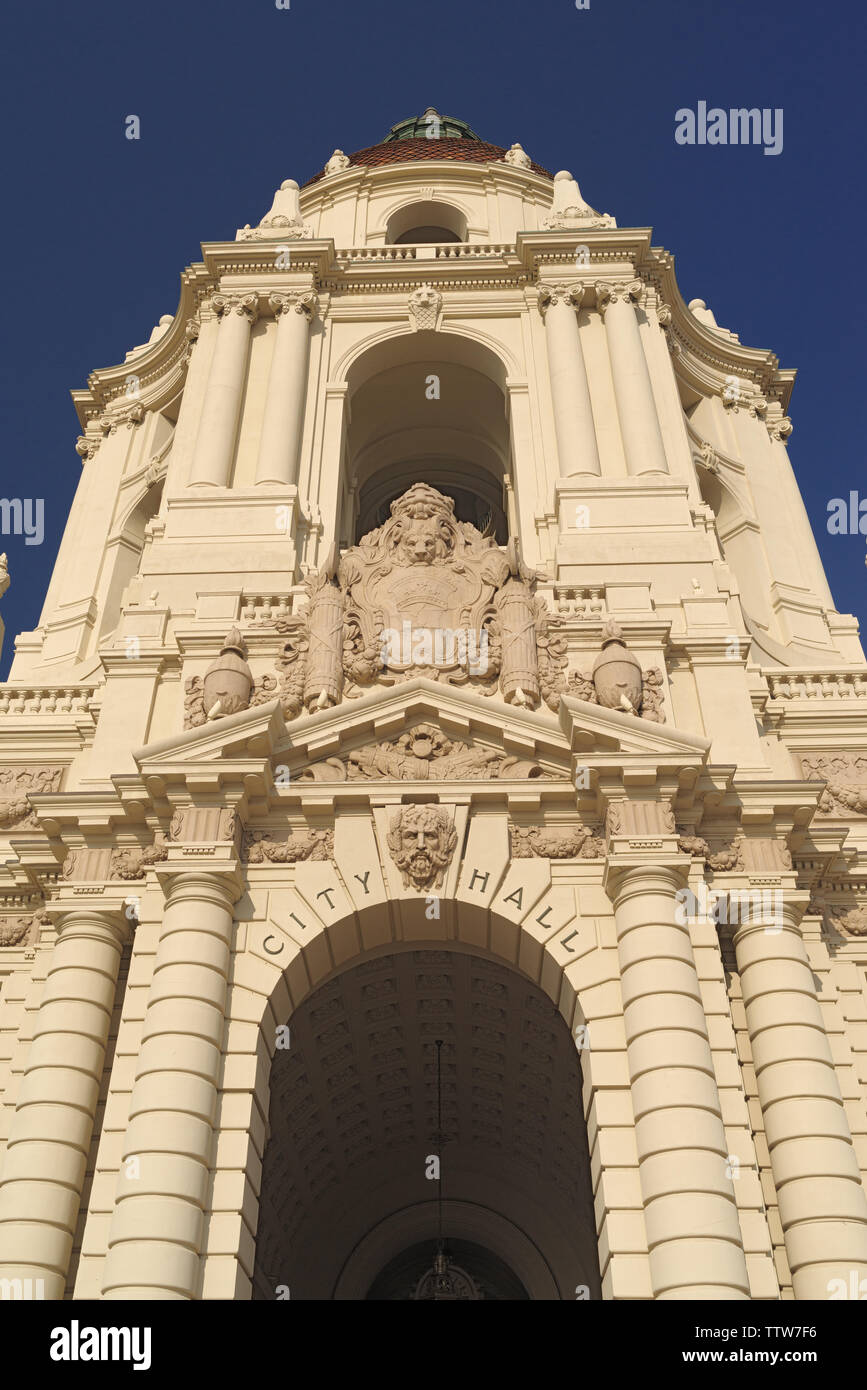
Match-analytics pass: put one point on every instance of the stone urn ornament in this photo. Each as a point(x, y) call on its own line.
point(228, 682)
point(617, 672)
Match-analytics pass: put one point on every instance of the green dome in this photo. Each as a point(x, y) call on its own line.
point(431, 126)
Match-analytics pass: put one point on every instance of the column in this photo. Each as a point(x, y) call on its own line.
point(157, 1229)
point(570, 392)
point(218, 428)
point(823, 1208)
point(693, 1232)
point(52, 1128)
point(287, 389)
point(636, 408)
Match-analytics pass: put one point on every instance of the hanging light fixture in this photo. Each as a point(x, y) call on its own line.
point(444, 1282)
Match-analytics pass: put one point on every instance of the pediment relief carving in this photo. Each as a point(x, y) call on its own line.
point(424, 754)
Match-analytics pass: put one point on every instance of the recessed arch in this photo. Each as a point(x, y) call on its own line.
point(281, 969)
point(124, 549)
point(351, 1123)
point(426, 220)
point(434, 406)
point(741, 543)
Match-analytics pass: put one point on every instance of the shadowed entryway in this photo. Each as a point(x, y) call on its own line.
point(348, 1210)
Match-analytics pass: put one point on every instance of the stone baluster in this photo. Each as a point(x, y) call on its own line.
point(636, 407)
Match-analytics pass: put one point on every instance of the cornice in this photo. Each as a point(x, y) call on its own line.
point(703, 361)
point(703, 358)
point(414, 173)
point(160, 370)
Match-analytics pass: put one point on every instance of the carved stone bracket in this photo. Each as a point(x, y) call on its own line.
point(726, 858)
point(195, 824)
point(425, 308)
point(133, 862)
point(641, 819)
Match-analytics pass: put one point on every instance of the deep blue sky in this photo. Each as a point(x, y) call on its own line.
point(236, 95)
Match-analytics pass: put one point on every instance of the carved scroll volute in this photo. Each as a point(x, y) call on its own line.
point(519, 678)
point(323, 684)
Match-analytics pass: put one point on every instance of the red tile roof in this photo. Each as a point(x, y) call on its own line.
point(414, 150)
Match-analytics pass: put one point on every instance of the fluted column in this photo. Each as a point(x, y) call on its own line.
point(287, 387)
point(570, 392)
point(157, 1228)
point(823, 1209)
point(218, 428)
point(693, 1232)
point(52, 1128)
point(636, 408)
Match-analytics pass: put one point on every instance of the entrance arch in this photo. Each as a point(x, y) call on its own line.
point(347, 1209)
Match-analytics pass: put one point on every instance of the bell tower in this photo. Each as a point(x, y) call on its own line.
point(438, 669)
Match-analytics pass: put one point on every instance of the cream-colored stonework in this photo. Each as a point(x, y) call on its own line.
point(437, 634)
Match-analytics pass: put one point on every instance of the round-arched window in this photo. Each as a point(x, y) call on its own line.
point(425, 223)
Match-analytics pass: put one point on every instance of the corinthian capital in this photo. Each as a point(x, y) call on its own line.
point(560, 294)
point(780, 428)
point(303, 302)
point(247, 304)
point(608, 293)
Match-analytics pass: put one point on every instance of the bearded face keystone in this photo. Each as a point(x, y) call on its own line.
point(422, 841)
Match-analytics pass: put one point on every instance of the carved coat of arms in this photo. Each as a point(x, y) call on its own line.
point(422, 595)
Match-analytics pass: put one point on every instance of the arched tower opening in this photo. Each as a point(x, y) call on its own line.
point(429, 407)
point(425, 221)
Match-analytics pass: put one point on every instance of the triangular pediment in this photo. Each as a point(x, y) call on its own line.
point(477, 737)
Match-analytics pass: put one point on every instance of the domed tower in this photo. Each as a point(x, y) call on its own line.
point(439, 722)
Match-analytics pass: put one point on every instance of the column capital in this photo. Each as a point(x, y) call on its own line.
point(610, 292)
point(246, 304)
point(82, 910)
point(304, 302)
point(571, 295)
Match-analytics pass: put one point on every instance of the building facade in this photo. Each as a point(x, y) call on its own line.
point(433, 804)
